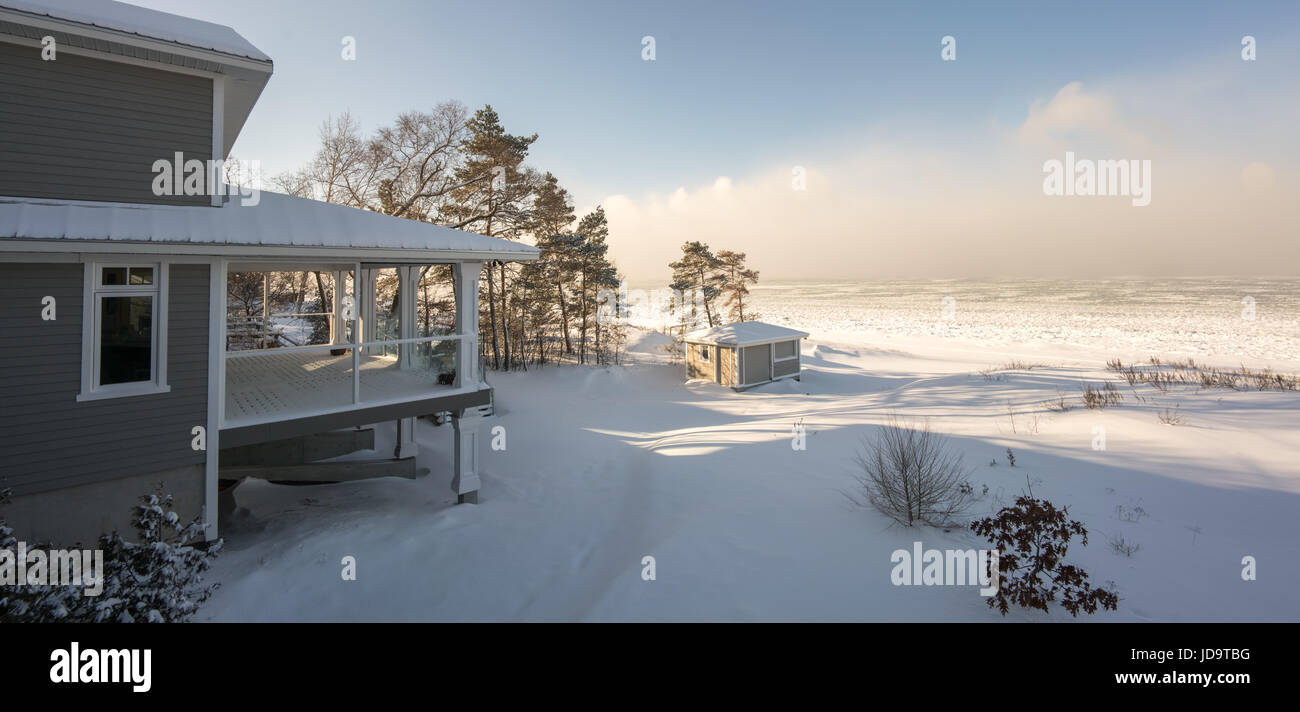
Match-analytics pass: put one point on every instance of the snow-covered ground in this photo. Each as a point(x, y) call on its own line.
point(605, 466)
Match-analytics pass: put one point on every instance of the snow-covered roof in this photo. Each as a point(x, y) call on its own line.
point(277, 220)
point(131, 19)
point(744, 332)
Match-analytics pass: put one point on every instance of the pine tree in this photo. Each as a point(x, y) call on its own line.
point(595, 272)
point(698, 267)
point(680, 286)
point(734, 282)
point(494, 198)
point(467, 172)
point(553, 213)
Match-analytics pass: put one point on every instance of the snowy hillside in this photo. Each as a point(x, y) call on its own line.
point(604, 466)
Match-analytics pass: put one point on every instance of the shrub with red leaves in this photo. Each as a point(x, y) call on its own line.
point(1031, 539)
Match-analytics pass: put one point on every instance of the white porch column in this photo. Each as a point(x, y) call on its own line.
point(406, 304)
point(217, 314)
point(465, 482)
point(406, 446)
point(337, 328)
point(466, 275)
point(365, 301)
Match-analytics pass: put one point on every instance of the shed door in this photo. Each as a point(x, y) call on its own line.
point(757, 364)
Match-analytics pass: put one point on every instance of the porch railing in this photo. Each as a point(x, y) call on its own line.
point(262, 383)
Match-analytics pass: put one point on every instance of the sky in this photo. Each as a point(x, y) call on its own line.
point(832, 140)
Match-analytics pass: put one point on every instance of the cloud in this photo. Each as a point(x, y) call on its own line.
point(894, 209)
point(1073, 113)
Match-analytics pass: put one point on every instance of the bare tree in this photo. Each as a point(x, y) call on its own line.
point(909, 474)
point(407, 169)
point(418, 157)
point(342, 170)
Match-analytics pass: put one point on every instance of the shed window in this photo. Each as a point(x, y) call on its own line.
point(786, 350)
point(123, 347)
point(704, 353)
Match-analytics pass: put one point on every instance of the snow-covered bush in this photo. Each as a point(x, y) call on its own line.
point(157, 579)
point(31, 604)
point(1031, 539)
point(909, 474)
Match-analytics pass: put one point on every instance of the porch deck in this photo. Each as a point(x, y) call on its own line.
point(283, 384)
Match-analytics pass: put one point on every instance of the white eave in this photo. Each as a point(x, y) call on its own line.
point(278, 225)
point(744, 333)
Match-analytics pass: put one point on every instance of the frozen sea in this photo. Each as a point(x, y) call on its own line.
point(1225, 321)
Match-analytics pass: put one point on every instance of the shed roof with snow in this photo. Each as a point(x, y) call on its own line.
point(744, 333)
point(744, 354)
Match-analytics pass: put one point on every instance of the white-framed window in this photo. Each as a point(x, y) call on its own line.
point(124, 324)
point(704, 353)
point(785, 350)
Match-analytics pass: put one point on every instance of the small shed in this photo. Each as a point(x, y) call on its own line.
point(743, 354)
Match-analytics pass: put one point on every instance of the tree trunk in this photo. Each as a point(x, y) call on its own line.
point(564, 317)
point(320, 290)
point(505, 317)
point(492, 319)
point(520, 340)
point(428, 308)
point(704, 297)
point(582, 343)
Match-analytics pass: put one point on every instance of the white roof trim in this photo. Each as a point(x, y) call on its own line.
point(279, 224)
point(744, 333)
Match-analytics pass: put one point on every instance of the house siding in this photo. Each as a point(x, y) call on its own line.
point(48, 440)
point(80, 128)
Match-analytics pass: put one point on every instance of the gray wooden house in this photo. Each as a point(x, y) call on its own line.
point(744, 354)
point(116, 370)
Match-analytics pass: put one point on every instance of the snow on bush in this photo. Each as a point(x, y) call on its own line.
point(158, 578)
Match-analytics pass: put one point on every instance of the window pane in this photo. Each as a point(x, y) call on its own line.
point(126, 340)
point(114, 275)
point(435, 301)
point(142, 275)
point(785, 349)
